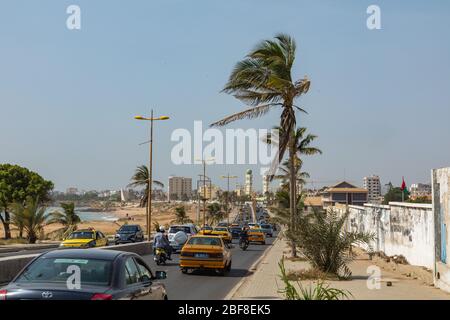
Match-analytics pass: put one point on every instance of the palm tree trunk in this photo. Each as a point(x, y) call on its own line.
point(6, 224)
point(293, 192)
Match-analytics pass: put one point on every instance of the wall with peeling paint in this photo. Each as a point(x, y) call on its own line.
point(400, 229)
point(441, 211)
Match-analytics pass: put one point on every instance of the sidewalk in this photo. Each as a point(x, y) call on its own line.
point(264, 283)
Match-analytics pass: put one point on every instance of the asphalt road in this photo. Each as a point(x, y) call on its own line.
point(207, 285)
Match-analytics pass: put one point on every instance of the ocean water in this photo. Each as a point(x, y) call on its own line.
point(89, 216)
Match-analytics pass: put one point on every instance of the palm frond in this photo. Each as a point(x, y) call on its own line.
point(246, 114)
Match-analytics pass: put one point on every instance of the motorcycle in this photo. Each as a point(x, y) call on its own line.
point(243, 244)
point(160, 256)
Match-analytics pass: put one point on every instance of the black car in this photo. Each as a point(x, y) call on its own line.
point(129, 233)
point(86, 274)
point(235, 231)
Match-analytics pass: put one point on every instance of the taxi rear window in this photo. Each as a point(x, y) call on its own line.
point(209, 241)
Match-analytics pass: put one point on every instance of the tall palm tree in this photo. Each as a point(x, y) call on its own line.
point(264, 81)
point(181, 216)
point(141, 178)
point(32, 217)
point(68, 218)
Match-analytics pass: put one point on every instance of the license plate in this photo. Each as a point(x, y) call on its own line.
point(201, 255)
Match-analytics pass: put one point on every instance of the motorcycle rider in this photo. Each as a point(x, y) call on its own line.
point(161, 241)
point(243, 236)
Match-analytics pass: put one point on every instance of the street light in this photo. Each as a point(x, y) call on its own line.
point(150, 179)
point(204, 161)
point(228, 177)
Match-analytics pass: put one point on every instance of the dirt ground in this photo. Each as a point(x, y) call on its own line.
point(163, 213)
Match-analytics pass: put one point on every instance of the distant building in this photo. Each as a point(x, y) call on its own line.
point(72, 191)
point(239, 190)
point(373, 186)
point(179, 188)
point(312, 203)
point(420, 190)
point(211, 193)
point(248, 182)
point(266, 184)
point(344, 193)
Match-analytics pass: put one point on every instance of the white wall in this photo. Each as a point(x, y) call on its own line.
point(400, 229)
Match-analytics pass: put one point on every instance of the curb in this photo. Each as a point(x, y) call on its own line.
point(254, 266)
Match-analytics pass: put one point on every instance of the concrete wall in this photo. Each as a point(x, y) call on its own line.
point(441, 210)
point(11, 266)
point(400, 229)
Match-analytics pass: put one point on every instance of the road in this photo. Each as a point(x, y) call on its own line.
point(207, 285)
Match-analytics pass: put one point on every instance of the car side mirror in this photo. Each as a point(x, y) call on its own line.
point(145, 278)
point(160, 275)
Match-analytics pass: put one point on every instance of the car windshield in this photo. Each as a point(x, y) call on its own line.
point(176, 229)
point(221, 229)
point(81, 235)
point(235, 229)
point(205, 241)
point(266, 226)
point(255, 230)
point(128, 229)
point(58, 270)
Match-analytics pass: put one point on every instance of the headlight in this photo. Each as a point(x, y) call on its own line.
point(117, 235)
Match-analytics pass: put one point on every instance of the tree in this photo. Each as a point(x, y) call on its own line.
point(215, 215)
point(68, 218)
point(394, 194)
point(16, 184)
point(264, 81)
point(31, 216)
point(141, 178)
point(181, 216)
point(326, 243)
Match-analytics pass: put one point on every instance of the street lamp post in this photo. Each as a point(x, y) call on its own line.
point(228, 177)
point(204, 161)
point(150, 178)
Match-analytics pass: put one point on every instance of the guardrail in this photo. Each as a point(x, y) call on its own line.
point(11, 266)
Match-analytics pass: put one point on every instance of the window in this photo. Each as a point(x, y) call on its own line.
point(145, 272)
point(131, 272)
point(205, 241)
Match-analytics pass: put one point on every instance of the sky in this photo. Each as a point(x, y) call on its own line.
point(379, 100)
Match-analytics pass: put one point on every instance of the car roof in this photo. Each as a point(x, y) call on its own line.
point(84, 253)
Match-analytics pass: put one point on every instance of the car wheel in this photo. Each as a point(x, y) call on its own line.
point(229, 267)
point(184, 270)
point(221, 272)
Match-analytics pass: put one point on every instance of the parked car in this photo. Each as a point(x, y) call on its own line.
point(104, 275)
point(267, 229)
point(85, 238)
point(175, 239)
point(129, 233)
point(205, 253)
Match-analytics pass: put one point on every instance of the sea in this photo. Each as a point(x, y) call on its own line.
point(86, 215)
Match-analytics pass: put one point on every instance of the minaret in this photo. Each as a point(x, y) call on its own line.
point(249, 182)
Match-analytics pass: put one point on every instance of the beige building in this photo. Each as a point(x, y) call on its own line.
point(266, 184)
point(212, 192)
point(179, 188)
point(344, 193)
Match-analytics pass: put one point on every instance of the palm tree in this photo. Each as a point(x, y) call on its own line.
point(32, 217)
point(141, 178)
point(181, 216)
point(263, 80)
point(68, 218)
point(214, 213)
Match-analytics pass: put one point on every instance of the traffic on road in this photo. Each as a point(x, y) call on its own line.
point(226, 250)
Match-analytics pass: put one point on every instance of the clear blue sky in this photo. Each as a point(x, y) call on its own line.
point(379, 102)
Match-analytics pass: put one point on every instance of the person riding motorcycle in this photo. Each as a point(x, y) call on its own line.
point(243, 236)
point(161, 241)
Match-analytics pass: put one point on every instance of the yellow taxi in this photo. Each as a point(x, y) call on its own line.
point(222, 232)
point(203, 252)
point(206, 230)
point(85, 238)
point(256, 235)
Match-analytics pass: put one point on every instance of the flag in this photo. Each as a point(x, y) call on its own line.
point(403, 184)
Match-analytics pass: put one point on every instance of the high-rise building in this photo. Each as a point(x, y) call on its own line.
point(373, 186)
point(248, 182)
point(211, 192)
point(179, 188)
point(266, 184)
